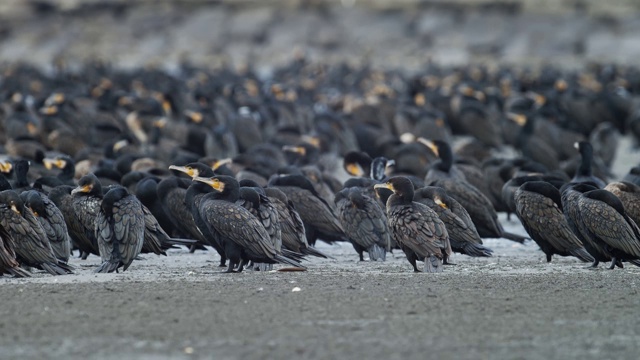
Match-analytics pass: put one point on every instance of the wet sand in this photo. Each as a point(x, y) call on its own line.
point(511, 306)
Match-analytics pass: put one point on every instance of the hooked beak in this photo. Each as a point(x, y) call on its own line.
point(213, 182)
point(183, 169)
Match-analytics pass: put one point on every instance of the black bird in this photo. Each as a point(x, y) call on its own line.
point(570, 196)
point(633, 176)
point(539, 208)
point(85, 207)
point(243, 236)
point(8, 262)
point(291, 225)
point(607, 224)
point(119, 227)
point(463, 235)
point(52, 221)
point(319, 219)
point(364, 222)
point(416, 228)
point(64, 163)
point(192, 198)
point(629, 194)
point(30, 241)
point(478, 206)
point(584, 172)
point(254, 199)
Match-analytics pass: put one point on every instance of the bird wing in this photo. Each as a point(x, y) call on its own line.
point(544, 221)
point(85, 210)
point(30, 241)
point(237, 224)
point(609, 226)
point(314, 211)
point(129, 227)
point(419, 228)
point(366, 225)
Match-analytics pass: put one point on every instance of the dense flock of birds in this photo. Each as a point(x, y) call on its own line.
point(116, 163)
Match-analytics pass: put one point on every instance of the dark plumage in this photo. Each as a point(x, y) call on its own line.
point(539, 208)
point(81, 216)
point(119, 228)
point(52, 221)
point(318, 217)
point(365, 223)
point(416, 228)
point(607, 224)
point(30, 241)
point(8, 262)
point(629, 195)
point(241, 234)
point(462, 233)
point(584, 172)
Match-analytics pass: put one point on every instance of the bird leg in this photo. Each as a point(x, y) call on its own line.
point(230, 269)
point(432, 264)
point(613, 263)
point(594, 265)
point(223, 261)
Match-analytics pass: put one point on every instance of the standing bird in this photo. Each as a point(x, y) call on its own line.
point(480, 208)
point(52, 221)
point(8, 262)
point(415, 227)
point(364, 222)
point(30, 241)
point(240, 233)
point(320, 221)
point(607, 224)
point(463, 235)
point(120, 228)
point(539, 208)
point(84, 208)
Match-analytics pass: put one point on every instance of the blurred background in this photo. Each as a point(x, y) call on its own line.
point(392, 34)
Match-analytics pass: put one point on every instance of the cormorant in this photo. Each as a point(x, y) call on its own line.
point(539, 208)
point(52, 221)
point(415, 227)
point(119, 228)
point(241, 234)
point(30, 241)
point(463, 235)
point(364, 222)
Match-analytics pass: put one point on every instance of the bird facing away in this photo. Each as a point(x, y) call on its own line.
point(119, 229)
point(364, 223)
point(539, 208)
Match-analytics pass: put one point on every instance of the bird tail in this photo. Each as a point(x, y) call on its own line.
point(432, 264)
point(477, 250)
point(314, 252)
point(107, 267)
point(286, 260)
point(582, 254)
point(514, 237)
point(635, 262)
point(293, 255)
point(377, 253)
point(177, 241)
point(57, 269)
point(19, 272)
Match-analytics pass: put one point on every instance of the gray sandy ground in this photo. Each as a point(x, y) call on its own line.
point(511, 306)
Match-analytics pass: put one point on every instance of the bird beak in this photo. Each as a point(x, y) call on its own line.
point(15, 209)
point(5, 167)
point(384, 186)
point(82, 189)
point(217, 164)
point(183, 169)
point(295, 149)
point(576, 145)
point(313, 140)
point(50, 163)
point(517, 118)
point(430, 144)
point(439, 202)
point(194, 116)
point(355, 170)
point(120, 144)
point(213, 182)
